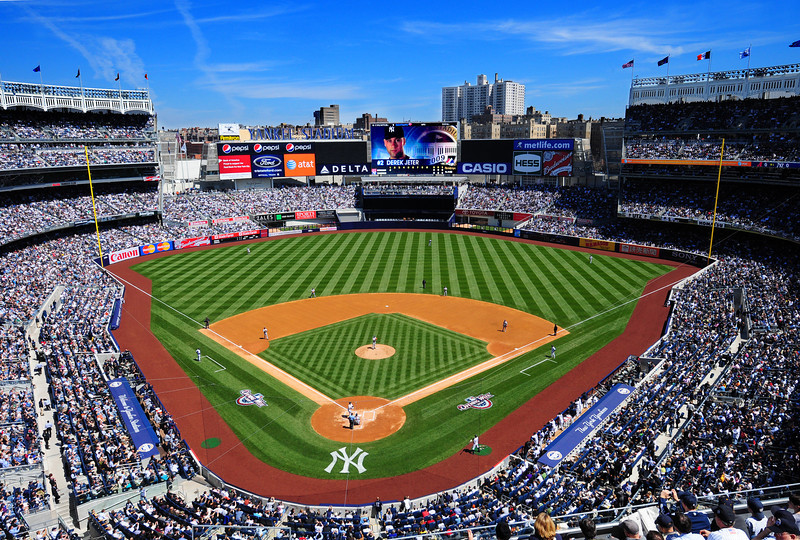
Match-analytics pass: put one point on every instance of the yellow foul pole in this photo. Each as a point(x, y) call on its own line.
point(716, 198)
point(94, 209)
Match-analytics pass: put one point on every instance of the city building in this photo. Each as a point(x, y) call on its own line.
point(466, 101)
point(327, 116)
point(366, 120)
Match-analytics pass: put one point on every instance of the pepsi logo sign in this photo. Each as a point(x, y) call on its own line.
point(226, 149)
point(257, 148)
point(290, 147)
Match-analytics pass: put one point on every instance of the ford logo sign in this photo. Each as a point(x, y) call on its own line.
point(267, 162)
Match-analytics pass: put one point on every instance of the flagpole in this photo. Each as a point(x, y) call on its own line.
point(83, 96)
point(94, 209)
point(633, 67)
point(41, 85)
point(666, 92)
point(119, 85)
point(716, 198)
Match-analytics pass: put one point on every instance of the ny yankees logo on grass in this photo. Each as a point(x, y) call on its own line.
point(341, 453)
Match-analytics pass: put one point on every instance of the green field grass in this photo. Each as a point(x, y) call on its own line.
point(325, 357)
point(593, 301)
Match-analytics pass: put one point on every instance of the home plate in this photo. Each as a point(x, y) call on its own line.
point(387, 306)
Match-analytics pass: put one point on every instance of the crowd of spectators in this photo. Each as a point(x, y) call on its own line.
point(761, 147)
point(31, 140)
point(777, 114)
point(772, 210)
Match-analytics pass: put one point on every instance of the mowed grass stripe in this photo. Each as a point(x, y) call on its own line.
point(471, 287)
point(511, 295)
point(581, 278)
point(558, 305)
point(358, 264)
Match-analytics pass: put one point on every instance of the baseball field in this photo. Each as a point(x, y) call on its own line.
point(444, 369)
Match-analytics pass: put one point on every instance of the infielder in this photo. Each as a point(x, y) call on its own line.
point(266, 335)
point(553, 351)
point(374, 342)
point(505, 325)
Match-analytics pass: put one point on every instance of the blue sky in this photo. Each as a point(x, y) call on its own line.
point(262, 63)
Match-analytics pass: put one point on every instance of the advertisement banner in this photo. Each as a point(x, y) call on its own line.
point(235, 236)
point(236, 219)
point(235, 167)
point(299, 165)
point(305, 214)
point(414, 148)
point(484, 168)
point(266, 166)
point(545, 144)
point(635, 249)
point(342, 168)
point(125, 254)
point(557, 163)
point(197, 224)
point(136, 422)
point(527, 163)
point(228, 132)
point(598, 244)
point(149, 249)
point(193, 242)
point(583, 427)
point(116, 315)
point(478, 213)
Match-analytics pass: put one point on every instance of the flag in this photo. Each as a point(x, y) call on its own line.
point(183, 148)
point(627, 64)
point(117, 77)
point(745, 53)
point(37, 69)
point(79, 73)
point(795, 44)
point(704, 56)
point(663, 61)
point(145, 76)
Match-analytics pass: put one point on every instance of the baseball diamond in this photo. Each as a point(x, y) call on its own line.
point(489, 280)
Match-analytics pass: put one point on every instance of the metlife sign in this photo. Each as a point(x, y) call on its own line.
point(527, 163)
point(544, 144)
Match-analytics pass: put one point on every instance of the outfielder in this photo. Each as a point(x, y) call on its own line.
point(198, 354)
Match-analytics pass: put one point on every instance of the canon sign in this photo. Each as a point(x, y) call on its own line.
point(123, 255)
point(527, 163)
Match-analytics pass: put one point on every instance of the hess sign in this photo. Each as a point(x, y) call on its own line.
point(527, 162)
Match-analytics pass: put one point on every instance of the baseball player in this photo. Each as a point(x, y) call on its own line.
point(266, 334)
point(429, 242)
point(423, 283)
point(505, 325)
point(198, 354)
point(445, 292)
point(555, 329)
point(591, 258)
point(475, 445)
point(248, 249)
point(553, 351)
point(374, 342)
point(313, 293)
point(207, 321)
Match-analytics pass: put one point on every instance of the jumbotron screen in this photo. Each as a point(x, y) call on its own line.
point(414, 148)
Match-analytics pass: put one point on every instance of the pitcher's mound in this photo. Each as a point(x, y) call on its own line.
point(378, 353)
point(378, 419)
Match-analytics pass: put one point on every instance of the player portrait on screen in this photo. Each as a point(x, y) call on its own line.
point(394, 139)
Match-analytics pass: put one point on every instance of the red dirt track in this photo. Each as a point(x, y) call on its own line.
point(197, 420)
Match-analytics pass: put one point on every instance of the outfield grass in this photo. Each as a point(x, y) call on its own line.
point(593, 301)
point(325, 357)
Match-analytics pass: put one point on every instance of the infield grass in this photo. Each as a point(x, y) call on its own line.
point(325, 357)
point(594, 302)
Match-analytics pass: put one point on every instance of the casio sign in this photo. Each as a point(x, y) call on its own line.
point(527, 163)
point(267, 162)
point(486, 168)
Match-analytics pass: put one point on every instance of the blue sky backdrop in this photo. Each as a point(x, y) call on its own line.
point(262, 63)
